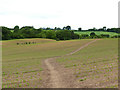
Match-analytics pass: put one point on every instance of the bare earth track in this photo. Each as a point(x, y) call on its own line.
point(58, 77)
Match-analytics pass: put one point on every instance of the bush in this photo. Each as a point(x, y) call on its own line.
point(116, 36)
point(64, 34)
point(57, 39)
point(105, 35)
point(83, 36)
point(51, 34)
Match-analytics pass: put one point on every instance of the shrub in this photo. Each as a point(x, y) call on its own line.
point(84, 36)
point(105, 35)
point(114, 36)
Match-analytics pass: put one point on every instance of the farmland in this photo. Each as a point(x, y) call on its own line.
point(97, 33)
point(95, 65)
point(92, 66)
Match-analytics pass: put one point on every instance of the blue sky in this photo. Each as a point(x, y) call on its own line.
point(59, 13)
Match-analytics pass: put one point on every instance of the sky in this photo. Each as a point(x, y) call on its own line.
point(59, 13)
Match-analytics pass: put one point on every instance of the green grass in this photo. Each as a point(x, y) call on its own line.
point(96, 32)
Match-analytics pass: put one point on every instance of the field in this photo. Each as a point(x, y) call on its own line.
point(97, 33)
point(26, 65)
point(95, 65)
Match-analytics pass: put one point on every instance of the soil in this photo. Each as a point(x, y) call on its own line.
point(56, 75)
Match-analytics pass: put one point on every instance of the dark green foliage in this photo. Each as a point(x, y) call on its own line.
point(56, 33)
point(68, 27)
point(66, 35)
point(93, 35)
point(117, 30)
point(16, 28)
point(79, 29)
point(57, 28)
point(104, 28)
point(50, 34)
point(105, 35)
point(84, 36)
point(6, 33)
point(116, 36)
point(17, 36)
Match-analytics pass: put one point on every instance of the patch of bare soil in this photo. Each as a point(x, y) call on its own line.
point(57, 76)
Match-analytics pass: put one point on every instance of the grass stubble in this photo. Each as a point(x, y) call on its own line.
point(93, 66)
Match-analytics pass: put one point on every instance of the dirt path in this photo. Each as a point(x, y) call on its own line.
point(57, 78)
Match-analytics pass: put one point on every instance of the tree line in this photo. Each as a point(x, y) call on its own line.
point(116, 30)
point(57, 33)
point(31, 32)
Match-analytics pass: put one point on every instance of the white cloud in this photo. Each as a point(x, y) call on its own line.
point(51, 13)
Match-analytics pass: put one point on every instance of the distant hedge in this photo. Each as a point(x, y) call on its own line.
point(30, 32)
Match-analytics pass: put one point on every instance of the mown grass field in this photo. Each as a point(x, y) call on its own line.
point(96, 32)
point(22, 64)
point(95, 65)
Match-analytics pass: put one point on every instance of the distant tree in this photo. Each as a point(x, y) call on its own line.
point(42, 34)
point(48, 28)
point(55, 28)
point(6, 33)
point(100, 29)
point(51, 34)
point(27, 27)
point(17, 36)
point(94, 29)
point(64, 28)
point(58, 28)
point(64, 34)
point(79, 29)
point(92, 34)
point(16, 28)
point(104, 28)
point(68, 27)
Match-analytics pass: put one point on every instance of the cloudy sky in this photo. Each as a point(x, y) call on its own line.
point(59, 13)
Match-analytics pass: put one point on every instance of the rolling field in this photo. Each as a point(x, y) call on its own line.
point(97, 33)
point(95, 65)
point(92, 66)
point(22, 63)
